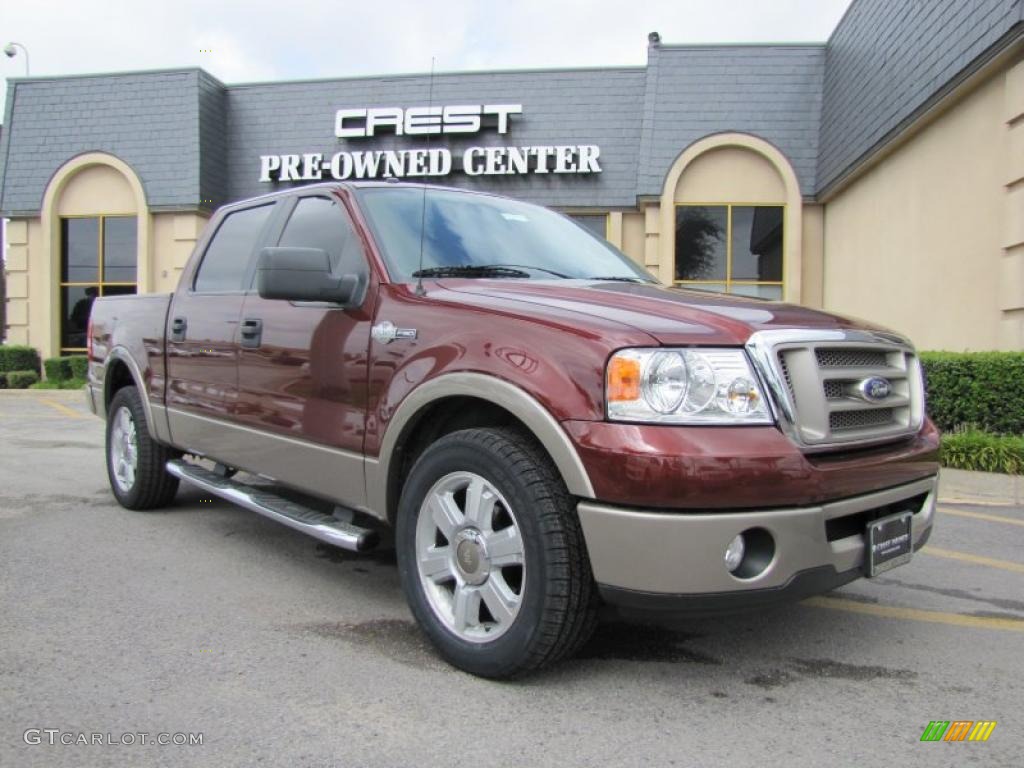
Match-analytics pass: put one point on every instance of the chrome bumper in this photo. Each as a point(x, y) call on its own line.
point(682, 554)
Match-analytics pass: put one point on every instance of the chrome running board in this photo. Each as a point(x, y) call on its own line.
point(311, 522)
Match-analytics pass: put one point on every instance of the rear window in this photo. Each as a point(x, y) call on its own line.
point(229, 254)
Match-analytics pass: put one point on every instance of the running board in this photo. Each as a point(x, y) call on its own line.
point(301, 518)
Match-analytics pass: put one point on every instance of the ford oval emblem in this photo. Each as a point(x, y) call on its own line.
point(874, 389)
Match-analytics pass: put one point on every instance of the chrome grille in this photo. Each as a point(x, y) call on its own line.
point(833, 389)
point(821, 381)
point(840, 420)
point(785, 374)
point(850, 358)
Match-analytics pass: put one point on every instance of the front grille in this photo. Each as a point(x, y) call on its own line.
point(833, 389)
point(785, 374)
point(850, 358)
point(855, 524)
point(823, 385)
point(840, 420)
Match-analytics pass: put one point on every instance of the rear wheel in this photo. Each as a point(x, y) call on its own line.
point(491, 555)
point(135, 461)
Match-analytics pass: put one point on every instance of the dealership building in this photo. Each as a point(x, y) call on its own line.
point(879, 174)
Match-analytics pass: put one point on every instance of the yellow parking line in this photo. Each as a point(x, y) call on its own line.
point(62, 408)
point(991, 562)
point(915, 614)
point(981, 516)
point(977, 502)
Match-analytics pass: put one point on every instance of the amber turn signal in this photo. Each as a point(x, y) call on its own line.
point(623, 379)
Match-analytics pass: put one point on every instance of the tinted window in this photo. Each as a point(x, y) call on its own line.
point(227, 257)
point(318, 222)
point(80, 241)
point(594, 222)
point(119, 249)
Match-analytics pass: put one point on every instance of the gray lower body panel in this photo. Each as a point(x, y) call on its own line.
point(672, 553)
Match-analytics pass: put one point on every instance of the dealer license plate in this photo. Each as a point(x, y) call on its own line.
point(889, 542)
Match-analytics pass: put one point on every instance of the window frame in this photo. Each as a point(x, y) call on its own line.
point(286, 218)
point(728, 281)
point(258, 244)
point(99, 283)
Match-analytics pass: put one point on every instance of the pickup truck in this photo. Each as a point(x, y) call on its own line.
point(537, 426)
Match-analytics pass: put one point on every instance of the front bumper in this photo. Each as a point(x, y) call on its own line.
point(675, 561)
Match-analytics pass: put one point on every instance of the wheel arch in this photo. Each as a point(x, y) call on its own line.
point(120, 370)
point(458, 401)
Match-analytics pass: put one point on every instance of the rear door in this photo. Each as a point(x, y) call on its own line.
point(202, 333)
point(303, 365)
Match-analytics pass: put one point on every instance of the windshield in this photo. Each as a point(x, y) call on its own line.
point(466, 235)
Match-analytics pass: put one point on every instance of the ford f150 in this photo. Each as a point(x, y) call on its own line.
point(538, 425)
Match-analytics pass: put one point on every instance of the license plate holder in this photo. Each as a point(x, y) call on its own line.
point(889, 542)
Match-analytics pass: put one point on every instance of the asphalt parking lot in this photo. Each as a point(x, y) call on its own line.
point(205, 618)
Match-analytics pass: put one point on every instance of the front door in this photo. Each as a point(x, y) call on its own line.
point(303, 367)
point(202, 335)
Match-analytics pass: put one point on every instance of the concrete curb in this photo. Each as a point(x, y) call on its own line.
point(983, 487)
point(78, 395)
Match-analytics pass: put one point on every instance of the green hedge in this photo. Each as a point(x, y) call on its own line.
point(21, 379)
point(15, 357)
point(66, 384)
point(57, 368)
point(79, 366)
point(975, 390)
point(983, 452)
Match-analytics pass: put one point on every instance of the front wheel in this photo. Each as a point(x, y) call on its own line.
point(491, 556)
point(135, 461)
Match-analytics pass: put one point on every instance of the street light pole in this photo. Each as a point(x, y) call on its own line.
point(9, 49)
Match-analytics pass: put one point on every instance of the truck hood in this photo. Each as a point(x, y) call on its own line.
point(670, 315)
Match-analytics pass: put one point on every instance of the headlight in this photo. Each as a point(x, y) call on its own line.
point(685, 386)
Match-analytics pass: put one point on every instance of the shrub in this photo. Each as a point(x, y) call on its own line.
point(975, 390)
point(57, 368)
point(65, 384)
point(21, 379)
point(982, 452)
point(3, 381)
point(15, 357)
point(79, 366)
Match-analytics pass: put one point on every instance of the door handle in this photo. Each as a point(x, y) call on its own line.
point(178, 327)
point(251, 333)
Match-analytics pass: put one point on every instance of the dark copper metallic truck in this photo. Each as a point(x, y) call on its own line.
point(539, 425)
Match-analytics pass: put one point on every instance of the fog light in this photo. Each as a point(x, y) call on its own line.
point(734, 553)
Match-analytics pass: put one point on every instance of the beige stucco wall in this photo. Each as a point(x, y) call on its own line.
point(730, 175)
point(812, 282)
point(633, 236)
point(174, 237)
point(85, 187)
point(920, 242)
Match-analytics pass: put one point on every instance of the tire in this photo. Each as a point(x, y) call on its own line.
point(147, 484)
point(494, 603)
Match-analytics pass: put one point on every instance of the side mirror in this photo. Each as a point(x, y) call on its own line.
point(304, 274)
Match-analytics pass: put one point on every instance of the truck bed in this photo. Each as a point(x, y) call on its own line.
point(136, 325)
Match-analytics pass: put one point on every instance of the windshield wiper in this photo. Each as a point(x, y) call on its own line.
point(470, 270)
point(621, 279)
point(532, 266)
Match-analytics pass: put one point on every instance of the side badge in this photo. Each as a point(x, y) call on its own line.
point(386, 332)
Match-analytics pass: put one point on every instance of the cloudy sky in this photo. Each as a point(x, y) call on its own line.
point(289, 39)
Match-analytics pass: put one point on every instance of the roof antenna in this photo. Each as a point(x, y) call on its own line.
point(423, 207)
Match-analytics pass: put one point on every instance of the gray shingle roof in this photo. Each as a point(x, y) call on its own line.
point(886, 60)
point(196, 143)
